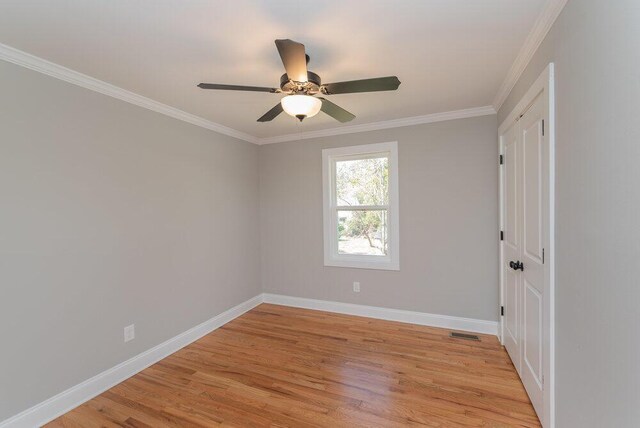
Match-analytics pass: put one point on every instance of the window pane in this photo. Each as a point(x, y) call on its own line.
point(363, 232)
point(362, 182)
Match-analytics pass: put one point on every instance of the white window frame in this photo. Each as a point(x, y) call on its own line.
point(331, 256)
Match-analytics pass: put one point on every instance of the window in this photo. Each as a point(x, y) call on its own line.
point(361, 227)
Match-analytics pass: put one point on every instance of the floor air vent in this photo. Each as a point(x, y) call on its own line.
point(463, 336)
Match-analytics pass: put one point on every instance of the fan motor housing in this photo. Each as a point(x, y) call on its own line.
point(312, 84)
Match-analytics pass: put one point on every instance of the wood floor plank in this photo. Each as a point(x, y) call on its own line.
point(278, 366)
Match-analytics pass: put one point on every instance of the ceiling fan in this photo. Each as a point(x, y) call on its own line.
point(302, 86)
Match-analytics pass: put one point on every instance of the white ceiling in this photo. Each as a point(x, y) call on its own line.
point(448, 54)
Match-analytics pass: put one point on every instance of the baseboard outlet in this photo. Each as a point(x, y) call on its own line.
point(59, 404)
point(420, 318)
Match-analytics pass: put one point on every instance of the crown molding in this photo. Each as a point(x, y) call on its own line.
point(32, 62)
point(15, 56)
point(541, 27)
point(374, 126)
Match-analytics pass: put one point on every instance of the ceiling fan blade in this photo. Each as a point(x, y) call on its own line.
point(236, 87)
point(389, 83)
point(271, 114)
point(294, 59)
point(335, 111)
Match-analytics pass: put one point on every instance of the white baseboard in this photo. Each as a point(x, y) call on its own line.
point(59, 404)
point(421, 318)
point(67, 400)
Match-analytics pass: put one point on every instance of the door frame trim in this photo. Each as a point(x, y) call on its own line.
point(544, 83)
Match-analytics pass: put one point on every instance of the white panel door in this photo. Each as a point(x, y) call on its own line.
point(532, 250)
point(511, 243)
point(526, 251)
point(525, 215)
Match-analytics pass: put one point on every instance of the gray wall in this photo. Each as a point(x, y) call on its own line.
point(111, 214)
point(448, 221)
point(595, 45)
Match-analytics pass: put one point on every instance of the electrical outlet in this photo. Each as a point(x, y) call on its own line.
point(356, 287)
point(129, 332)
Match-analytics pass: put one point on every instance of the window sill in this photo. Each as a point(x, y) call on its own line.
point(362, 264)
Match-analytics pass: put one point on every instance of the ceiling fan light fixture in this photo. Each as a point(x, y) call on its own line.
point(301, 106)
point(302, 84)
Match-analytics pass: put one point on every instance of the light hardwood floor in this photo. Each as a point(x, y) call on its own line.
point(286, 367)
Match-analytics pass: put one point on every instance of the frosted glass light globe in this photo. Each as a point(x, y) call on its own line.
point(301, 106)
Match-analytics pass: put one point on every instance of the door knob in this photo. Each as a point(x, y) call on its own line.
point(516, 265)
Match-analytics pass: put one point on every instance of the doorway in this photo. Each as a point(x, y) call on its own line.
point(526, 250)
